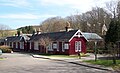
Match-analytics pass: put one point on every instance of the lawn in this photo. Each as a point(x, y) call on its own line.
point(64, 56)
point(106, 63)
point(1, 58)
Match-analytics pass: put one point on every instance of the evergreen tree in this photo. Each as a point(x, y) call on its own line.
point(112, 36)
point(26, 29)
point(113, 33)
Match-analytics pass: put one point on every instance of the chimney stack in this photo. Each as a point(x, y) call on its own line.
point(39, 31)
point(19, 32)
point(67, 26)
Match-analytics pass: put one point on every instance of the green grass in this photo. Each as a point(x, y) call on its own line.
point(106, 63)
point(1, 58)
point(64, 56)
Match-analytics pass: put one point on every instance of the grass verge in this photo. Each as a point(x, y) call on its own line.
point(106, 63)
point(64, 56)
point(1, 58)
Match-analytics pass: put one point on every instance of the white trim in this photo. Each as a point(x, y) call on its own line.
point(16, 44)
point(21, 45)
point(66, 45)
point(84, 36)
point(63, 47)
point(30, 45)
point(50, 47)
point(12, 44)
point(57, 46)
point(36, 44)
point(54, 45)
point(75, 35)
point(78, 46)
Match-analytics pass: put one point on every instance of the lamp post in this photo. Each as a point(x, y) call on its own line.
point(95, 51)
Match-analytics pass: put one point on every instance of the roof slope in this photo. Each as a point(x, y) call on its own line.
point(17, 38)
point(54, 36)
point(92, 36)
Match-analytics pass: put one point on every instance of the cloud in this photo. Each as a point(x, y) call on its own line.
point(14, 3)
point(82, 5)
point(27, 16)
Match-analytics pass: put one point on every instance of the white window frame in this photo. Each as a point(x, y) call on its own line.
point(50, 47)
point(30, 46)
point(66, 46)
point(21, 45)
point(36, 46)
point(54, 45)
point(63, 47)
point(57, 46)
point(78, 46)
point(16, 44)
point(12, 44)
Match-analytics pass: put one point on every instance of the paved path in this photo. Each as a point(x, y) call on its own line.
point(25, 63)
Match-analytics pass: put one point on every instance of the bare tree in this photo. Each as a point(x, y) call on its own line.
point(112, 7)
point(45, 41)
point(3, 30)
point(53, 24)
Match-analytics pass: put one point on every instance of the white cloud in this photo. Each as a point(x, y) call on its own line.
point(15, 3)
point(82, 5)
point(26, 16)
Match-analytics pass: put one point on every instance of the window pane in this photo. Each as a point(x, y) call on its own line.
point(66, 46)
point(55, 45)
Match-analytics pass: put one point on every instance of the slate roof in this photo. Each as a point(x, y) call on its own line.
point(55, 36)
point(17, 38)
point(2, 39)
point(10, 39)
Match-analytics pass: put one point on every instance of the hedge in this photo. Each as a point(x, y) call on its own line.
point(5, 49)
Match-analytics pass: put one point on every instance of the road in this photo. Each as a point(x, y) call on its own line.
point(25, 63)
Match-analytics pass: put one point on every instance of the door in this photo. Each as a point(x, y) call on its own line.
point(60, 47)
point(77, 46)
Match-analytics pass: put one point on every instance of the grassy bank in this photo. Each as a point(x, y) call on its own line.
point(106, 63)
point(65, 56)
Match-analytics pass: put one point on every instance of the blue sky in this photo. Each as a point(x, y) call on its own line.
point(19, 13)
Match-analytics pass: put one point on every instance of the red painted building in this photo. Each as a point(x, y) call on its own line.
point(64, 42)
point(17, 43)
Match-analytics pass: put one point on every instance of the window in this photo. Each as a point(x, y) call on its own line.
point(77, 46)
point(30, 45)
point(16, 44)
point(12, 44)
point(36, 46)
point(50, 47)
point(21, 45)
point(66, 46)
point(55, 45)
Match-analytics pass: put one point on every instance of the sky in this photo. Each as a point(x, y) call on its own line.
point(19, 13)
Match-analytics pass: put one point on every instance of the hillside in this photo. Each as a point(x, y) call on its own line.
point(4, 33)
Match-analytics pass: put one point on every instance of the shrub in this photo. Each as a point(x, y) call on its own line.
point(83, 55)
point(90, 51)
point(5, 49)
